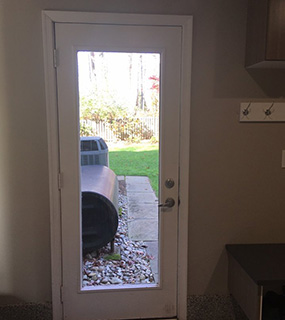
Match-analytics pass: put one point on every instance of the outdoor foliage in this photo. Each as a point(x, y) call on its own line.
point(155, 94)
point(86, 130)
point(101, 107)
point(130, 129)
point(126, 127)
point(121, 103)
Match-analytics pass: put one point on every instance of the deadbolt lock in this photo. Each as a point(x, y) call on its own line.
point(169, 183)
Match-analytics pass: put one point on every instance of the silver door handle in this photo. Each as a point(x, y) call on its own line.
point(169, 203)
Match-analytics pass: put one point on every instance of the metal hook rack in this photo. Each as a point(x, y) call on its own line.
point(262, 111)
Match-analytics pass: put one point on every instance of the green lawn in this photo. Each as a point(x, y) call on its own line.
point(136, 160)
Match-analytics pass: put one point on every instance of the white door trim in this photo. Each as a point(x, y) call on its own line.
point(49, 18)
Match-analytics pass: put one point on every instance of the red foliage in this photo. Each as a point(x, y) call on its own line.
point(155, 84)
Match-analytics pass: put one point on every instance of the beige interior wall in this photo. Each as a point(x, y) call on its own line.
point(237, 184)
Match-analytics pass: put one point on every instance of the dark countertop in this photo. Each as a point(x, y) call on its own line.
point(264, 263)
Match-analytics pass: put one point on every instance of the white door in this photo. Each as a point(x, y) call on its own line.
point(132, 301)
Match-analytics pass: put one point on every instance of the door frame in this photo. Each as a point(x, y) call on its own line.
point(49, 18)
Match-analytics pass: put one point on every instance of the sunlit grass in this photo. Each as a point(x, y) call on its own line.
point(136, 160)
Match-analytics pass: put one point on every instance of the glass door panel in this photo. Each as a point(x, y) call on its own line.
point(119, 160)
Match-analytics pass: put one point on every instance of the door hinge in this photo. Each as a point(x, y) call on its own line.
point(59, 180)
point(55, 58)
point(61, 294)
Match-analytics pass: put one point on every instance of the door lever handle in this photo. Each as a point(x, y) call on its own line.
point(169, 203)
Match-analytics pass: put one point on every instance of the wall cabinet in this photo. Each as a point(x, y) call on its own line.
point(265, 43)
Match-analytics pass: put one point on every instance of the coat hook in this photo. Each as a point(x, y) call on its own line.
point(245, 111)
point(268, 111)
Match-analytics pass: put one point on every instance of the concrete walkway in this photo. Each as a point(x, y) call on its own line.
point(143, 216)
point(142, 209)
